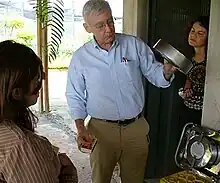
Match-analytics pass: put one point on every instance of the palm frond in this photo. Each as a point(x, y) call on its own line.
point(51, 15)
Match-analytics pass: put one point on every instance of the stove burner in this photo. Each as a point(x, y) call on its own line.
point(197, 150)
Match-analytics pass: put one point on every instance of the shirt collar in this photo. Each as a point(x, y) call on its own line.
point(95, 44)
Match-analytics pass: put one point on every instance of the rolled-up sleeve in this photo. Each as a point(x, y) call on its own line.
point(151, 68)
point(75, 91)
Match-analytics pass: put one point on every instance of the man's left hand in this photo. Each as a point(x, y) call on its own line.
point(169, 70)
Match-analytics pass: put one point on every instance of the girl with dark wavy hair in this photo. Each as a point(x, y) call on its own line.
point(25, 157)
point(193, 91)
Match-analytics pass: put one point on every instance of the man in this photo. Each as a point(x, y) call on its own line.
point(105, 82)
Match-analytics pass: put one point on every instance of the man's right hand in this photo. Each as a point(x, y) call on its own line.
point(84, 137)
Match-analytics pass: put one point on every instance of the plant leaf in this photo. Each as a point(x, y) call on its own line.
point(51, 15)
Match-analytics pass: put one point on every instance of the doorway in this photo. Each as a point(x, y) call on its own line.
point(168, 19)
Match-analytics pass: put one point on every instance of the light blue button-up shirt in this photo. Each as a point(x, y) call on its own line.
point(108, 84)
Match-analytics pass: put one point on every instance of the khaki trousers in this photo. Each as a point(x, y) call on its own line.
point(126, 145)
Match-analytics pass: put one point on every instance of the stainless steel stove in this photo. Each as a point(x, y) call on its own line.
point(199, 151)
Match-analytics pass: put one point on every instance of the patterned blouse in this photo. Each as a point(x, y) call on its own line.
point(197, 78)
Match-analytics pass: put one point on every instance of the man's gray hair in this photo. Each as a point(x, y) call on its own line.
point(95, 6)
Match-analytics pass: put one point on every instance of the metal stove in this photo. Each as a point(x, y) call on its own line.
point(199, 151)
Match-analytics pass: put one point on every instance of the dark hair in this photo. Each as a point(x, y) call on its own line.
point(204, 22)
point(19, 65)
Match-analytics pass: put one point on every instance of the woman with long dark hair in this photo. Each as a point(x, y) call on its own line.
point(193, 91)
point(25, 157)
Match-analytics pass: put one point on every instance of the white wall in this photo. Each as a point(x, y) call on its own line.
point(211, 111)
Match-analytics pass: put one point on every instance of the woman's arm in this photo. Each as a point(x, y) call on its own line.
point(187, 84)
point(187, 88)
point(68, 173)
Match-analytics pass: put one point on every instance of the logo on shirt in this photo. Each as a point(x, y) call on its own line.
point(125, 60)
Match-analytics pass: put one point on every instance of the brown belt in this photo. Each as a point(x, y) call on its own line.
point(122, 122)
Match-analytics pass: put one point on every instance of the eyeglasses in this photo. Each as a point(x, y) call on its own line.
point(102, 25)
